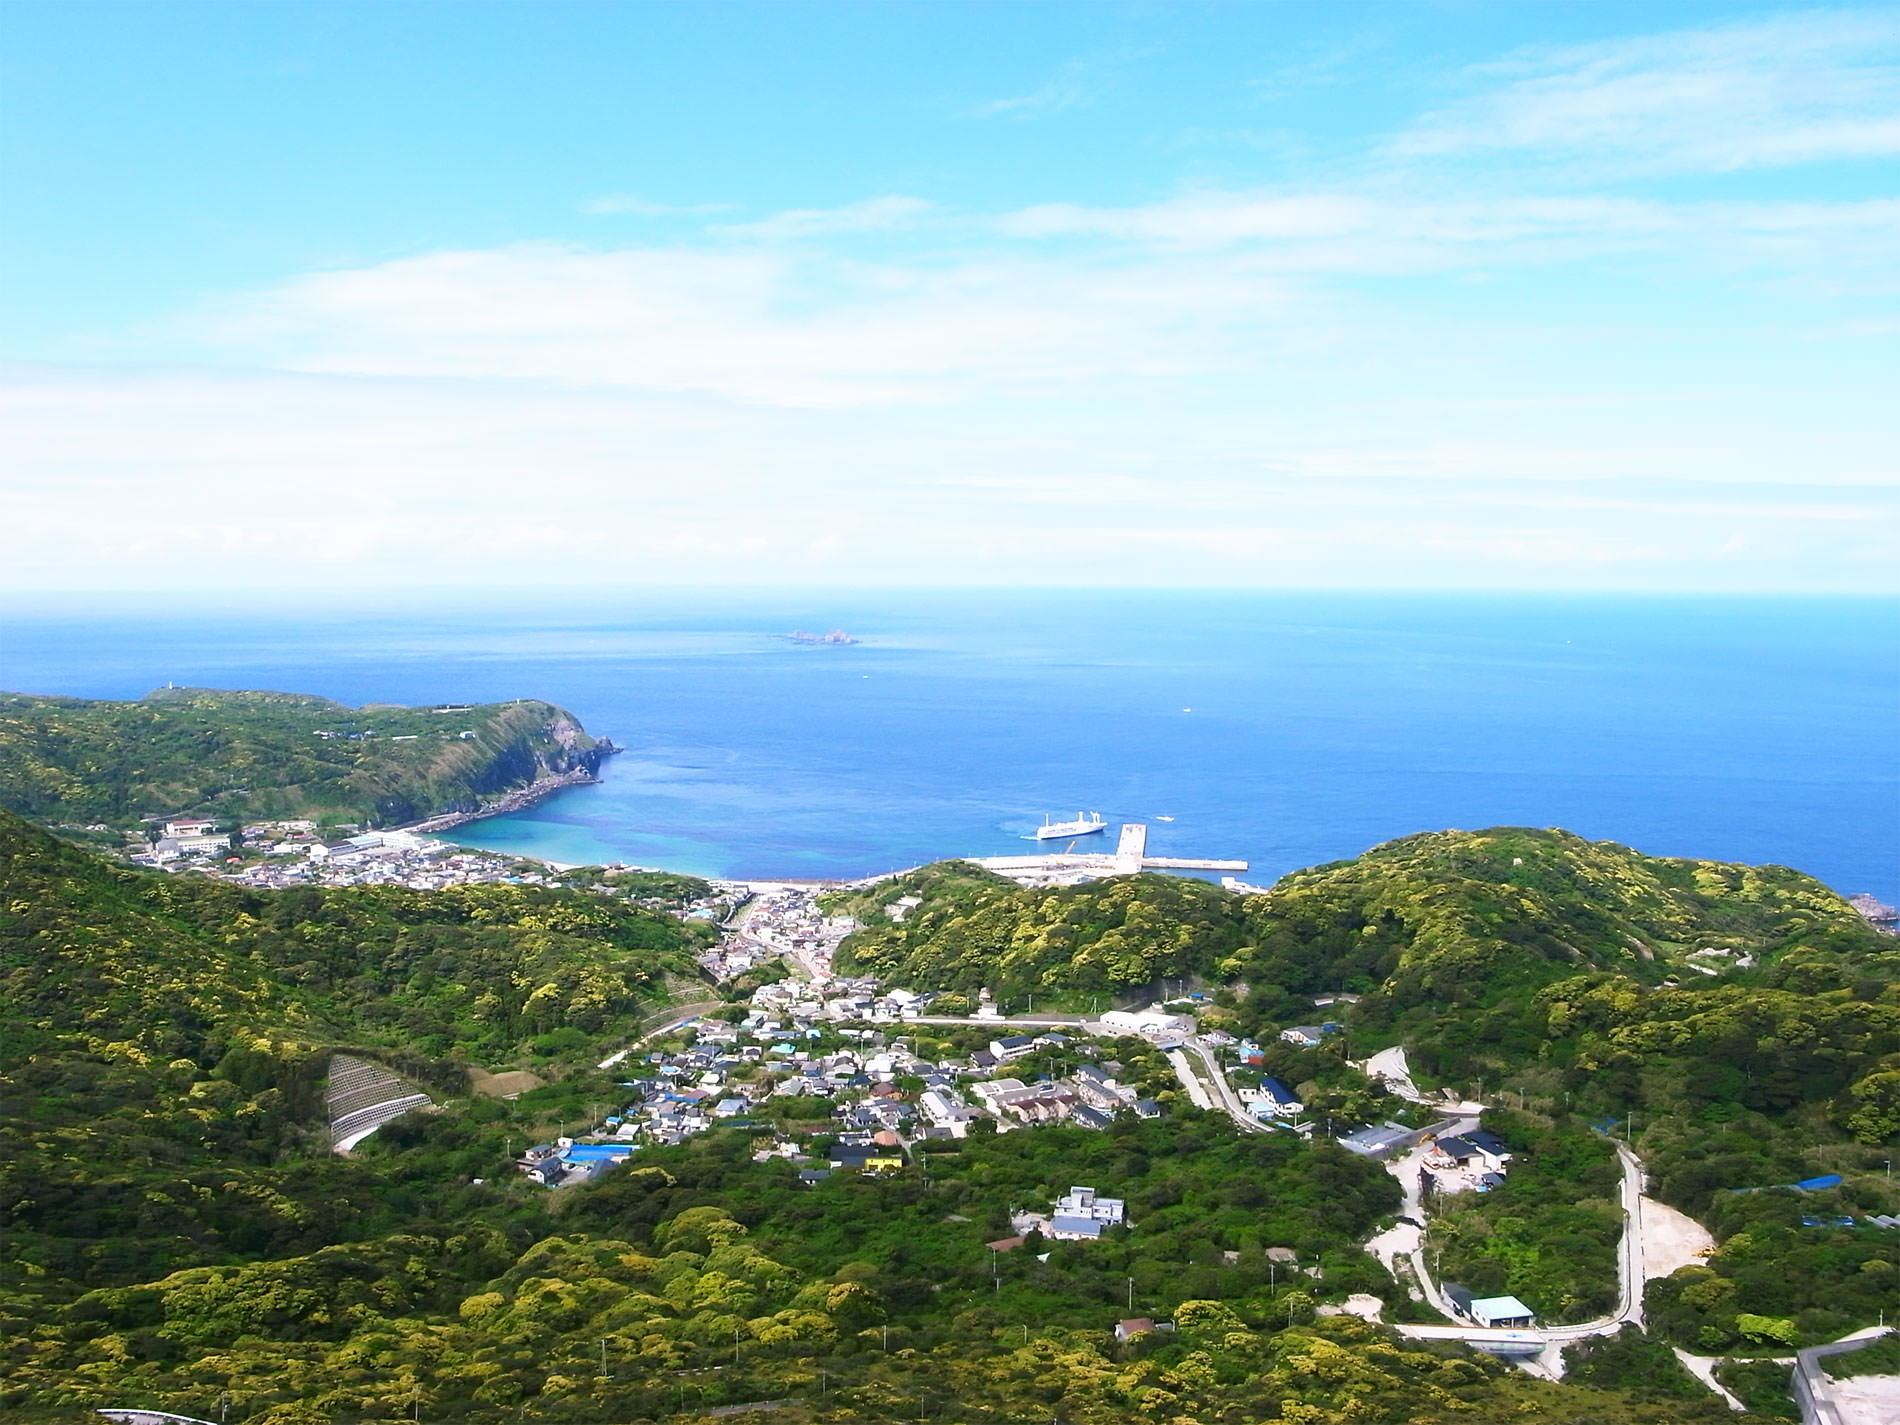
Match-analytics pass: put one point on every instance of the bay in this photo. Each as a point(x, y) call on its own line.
point(1285, 729)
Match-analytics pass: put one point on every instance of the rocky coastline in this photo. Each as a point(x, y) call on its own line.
point(521, 798)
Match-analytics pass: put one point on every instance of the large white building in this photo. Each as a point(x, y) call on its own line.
point(1146, 1021)
point(1081, 1216)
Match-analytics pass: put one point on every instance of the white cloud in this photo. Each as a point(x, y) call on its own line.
point(756, 323)
point(1052, 301)
point(1789, 89)
point(872, 215)
point(1071, 86)
point(635, 206)
point(323, 481)
point(1064, 91)
point(1202, 219)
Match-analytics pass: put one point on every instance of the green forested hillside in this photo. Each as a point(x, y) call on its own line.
point(165, 1037)
point(1742, 1022)
point(975, 930)
point(91, 953)
point(1458, 917)
point(1432, 920)
point(255, 755)
point(179, 1237)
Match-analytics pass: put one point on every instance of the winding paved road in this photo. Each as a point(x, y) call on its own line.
point(1540, 1348)
point(1207, 1085)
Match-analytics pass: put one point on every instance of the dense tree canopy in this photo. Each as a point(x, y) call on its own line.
point(178, 1231)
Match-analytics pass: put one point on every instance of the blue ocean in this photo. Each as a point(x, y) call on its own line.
point(1283, 729)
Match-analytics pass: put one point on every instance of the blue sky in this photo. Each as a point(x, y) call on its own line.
point(1437, 295)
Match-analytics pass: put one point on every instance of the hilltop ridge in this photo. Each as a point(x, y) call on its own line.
point(254, 755)
point(1442, 917)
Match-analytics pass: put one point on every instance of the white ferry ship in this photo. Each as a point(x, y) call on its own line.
point(1084, 823)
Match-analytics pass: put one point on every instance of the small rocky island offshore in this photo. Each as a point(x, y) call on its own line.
point(837, 638)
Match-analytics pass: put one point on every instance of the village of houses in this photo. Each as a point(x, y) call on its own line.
point(822, 1035)
point(817, 1034)
point(291, 853)
point(848, 1042)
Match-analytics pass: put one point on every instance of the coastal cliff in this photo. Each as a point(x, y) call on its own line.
point(248, 756)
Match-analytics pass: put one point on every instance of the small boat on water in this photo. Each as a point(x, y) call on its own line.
point(1084, 823)
point(1164, 818)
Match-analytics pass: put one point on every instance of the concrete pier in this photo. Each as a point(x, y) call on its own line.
point(1134, 845)
point(1177, 863)
point(1129, 857)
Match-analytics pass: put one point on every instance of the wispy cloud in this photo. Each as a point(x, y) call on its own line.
point(1056, 298)
point(633, 205)
point(1369, 233)
point(1075, 84)
point(779, 325)
point(1063, 91)
point(1789, 89)
point(871, 215)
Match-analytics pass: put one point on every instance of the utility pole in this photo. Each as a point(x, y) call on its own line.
point(1131, 1294)
point(603, 1358)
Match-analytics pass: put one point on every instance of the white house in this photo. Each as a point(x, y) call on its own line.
point(1502, 1313)
point(1081, 1216)
point(1013, 1047)
point(1146, 1021)
point(998, 1094)
point(1273, 1098)
point(943, 1111)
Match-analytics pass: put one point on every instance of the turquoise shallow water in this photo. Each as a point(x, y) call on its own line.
point(1283, 729)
